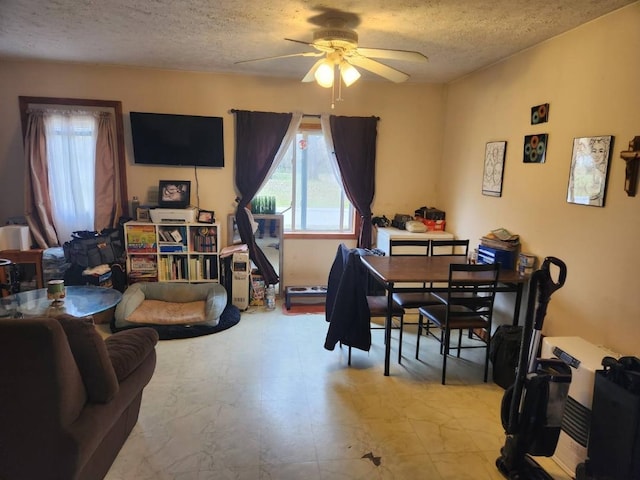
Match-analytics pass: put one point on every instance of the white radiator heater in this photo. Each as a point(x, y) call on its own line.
point(584, 359)
point(240, 277)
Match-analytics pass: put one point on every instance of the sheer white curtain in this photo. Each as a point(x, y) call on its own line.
point(71, 147)
point(328, 141)
point(289, 138)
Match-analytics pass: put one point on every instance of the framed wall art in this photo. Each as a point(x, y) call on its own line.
point(589, 170)
point(494, 155)
point(535, 148)
point(540, 114)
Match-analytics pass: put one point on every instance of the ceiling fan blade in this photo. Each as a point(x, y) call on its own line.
point(299, 41)
point(309, 77)
point(321, 48)
point(378, 68)
point(303, 54)
point(405, 55)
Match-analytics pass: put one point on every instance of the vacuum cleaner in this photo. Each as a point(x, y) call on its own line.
point(532, 408)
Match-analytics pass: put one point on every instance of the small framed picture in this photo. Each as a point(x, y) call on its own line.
point(540, 114)
point(205, 216)
point(143, 214)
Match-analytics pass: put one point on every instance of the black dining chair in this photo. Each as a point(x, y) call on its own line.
point(409, 300)
point(468, 304)
point(353, 301)
point(378, 308)
point(413, 300)
point(449, 247)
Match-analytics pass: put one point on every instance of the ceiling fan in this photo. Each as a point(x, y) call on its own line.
point(337, 45)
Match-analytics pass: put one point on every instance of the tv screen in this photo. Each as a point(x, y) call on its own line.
point(166, 139)
point(174, 193)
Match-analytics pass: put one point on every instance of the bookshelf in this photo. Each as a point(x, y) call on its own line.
point(172, 252)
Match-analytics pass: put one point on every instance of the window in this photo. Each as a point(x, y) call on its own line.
point(306, 188)
point(78, 180)
point(71, 146)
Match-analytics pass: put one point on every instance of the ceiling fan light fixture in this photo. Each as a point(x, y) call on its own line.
point(324, 74)
point(349, 73)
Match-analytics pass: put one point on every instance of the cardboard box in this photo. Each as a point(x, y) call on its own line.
point(257, 293)
point(434, 225)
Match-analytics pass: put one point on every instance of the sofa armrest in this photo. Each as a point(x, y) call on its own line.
point(91, 356)
point(128, 349)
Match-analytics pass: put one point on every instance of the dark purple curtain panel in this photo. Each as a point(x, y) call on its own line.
point(258, 138)
point(354, 141)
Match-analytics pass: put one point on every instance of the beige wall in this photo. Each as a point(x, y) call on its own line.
point(409, 134)
point(590, 78)
point(430, 152)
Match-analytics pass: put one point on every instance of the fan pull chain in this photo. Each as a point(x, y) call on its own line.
point(333, 95)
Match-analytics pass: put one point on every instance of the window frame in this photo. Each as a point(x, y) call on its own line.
point(116, 105)
point(316, 127)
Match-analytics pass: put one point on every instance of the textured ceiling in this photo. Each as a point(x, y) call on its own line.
point(458, 36)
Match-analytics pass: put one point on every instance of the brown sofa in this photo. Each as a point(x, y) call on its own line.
point(68, 398)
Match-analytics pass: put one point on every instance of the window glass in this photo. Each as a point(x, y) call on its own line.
point(71, 148)
point(307, 190)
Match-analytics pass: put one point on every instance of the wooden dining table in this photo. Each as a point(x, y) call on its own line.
point(394, 271)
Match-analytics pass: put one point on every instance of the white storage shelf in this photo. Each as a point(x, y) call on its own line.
point(172, 252)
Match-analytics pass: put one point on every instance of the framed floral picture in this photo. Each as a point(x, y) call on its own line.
point(589, 170)
point(494, 154)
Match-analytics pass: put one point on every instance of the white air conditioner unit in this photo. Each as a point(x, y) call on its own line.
point(584, 359)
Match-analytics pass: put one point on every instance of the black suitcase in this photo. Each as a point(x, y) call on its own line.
point(503, 353)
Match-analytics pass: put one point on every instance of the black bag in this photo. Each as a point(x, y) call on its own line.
point(614, 438)
point(90, 249)
point(504, 352)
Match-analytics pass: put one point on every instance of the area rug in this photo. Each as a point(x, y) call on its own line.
point(304, 309)
point(230, 317)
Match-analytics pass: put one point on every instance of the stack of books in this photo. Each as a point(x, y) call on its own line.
point(499, 246)
point(501, 239)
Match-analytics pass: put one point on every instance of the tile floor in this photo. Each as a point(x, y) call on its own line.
point(265, 400)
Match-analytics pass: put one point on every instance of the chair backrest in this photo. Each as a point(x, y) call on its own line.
point(409, 246)
point(449, 247)
point(473, 287)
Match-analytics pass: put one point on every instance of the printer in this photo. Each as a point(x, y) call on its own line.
point(174, 215)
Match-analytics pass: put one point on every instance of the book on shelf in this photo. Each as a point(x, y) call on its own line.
point(141, 263)
point(204, 239)
point(141, 238)
point(149, 278)
point(171, 234)
point(170, 247)
point(172, 267)
point(176, 235)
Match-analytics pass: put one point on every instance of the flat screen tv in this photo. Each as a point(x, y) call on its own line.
point(182, 140)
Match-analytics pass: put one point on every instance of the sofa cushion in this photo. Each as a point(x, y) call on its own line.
point(128, 349)
point(91, 356)
point(159, 312)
